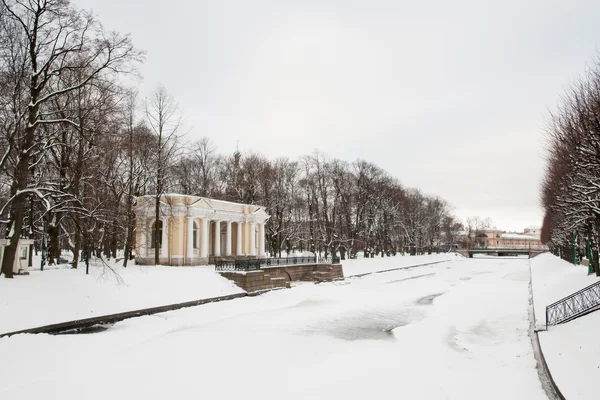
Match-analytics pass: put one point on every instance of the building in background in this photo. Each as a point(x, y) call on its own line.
point(22, 256)
point(496, 238)
point(533, 231)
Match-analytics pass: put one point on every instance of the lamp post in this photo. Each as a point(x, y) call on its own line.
point(43, 260)
point(575, 249)
point(87, 254)
point(589, 256)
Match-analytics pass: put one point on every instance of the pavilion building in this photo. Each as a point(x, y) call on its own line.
point(193, 230)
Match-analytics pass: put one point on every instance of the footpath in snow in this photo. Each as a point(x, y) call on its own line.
point(572, 350)
point(60, 295)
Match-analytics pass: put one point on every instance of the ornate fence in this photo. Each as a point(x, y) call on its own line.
point(575, 305)
point(258, 263)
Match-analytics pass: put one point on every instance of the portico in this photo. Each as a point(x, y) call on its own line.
point(191, 229)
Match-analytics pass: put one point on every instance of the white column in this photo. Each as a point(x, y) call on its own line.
point(239, 239)
point(252, 238)
point(143, 240)
point(261, 240)
point(190, 238)
point(204, 242)
point(217, 238)
point(228, 239)
point(164, 248)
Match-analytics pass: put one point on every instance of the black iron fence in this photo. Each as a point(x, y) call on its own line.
point(258, 263)
point(574, 305)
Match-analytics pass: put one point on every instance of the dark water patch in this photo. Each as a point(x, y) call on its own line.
point(376, 332)
point(87, 330)
point(428, 300)
point(369, 326)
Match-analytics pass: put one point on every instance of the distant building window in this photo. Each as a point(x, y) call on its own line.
point(23, 252)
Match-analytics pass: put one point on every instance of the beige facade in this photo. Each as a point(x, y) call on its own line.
point(533, 231)
point(192, 229)
point(495, 238)
point(21, 263)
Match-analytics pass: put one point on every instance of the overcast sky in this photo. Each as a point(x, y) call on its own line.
point(448, 96)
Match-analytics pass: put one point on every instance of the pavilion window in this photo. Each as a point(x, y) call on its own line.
point(196, 235)
point(156, 230)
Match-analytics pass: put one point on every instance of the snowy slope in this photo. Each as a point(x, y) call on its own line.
point(572, 350)
point(554, 279)
point(60, 295)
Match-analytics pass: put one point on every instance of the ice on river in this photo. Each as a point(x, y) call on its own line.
point(455, 330)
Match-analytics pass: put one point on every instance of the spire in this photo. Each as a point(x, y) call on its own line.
point(237, 154)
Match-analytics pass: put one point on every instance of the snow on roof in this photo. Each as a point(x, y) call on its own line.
point(198, 198)
point(534, 227)
point(518, 236)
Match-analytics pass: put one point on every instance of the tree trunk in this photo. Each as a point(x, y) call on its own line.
point(113, 240)
point(129, 233)
point(53, 245)
point(76, 249)
point(157, 233)
point(17, 208)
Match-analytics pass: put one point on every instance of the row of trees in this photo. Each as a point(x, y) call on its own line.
point(320, 204)
point(77, 146)
point(571, 188)
point(61, 99)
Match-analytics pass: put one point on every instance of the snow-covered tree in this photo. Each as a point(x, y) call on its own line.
point(54, 51)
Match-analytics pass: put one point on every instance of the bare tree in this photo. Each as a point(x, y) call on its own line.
point(56, 39)
point(164, 119)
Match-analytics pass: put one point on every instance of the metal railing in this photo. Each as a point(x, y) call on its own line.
point(575, 305)
point(499, 249)
point(258, 263)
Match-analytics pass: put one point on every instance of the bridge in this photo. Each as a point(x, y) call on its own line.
point(501, 252)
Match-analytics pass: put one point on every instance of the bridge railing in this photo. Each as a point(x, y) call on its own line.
point(501, 249)
point(575, 305)
point(258, 263)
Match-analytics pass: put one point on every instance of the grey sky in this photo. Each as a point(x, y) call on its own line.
point(449, 96)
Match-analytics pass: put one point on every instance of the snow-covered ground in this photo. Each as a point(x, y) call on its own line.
point(572, 350)
point(60, 294)
point(456, 330)
point(362, 266)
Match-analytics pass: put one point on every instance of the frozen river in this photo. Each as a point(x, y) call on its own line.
point(455, 330)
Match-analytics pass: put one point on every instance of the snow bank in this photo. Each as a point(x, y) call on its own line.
point(553, 279)
point(53, 296)
point(572, 350)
